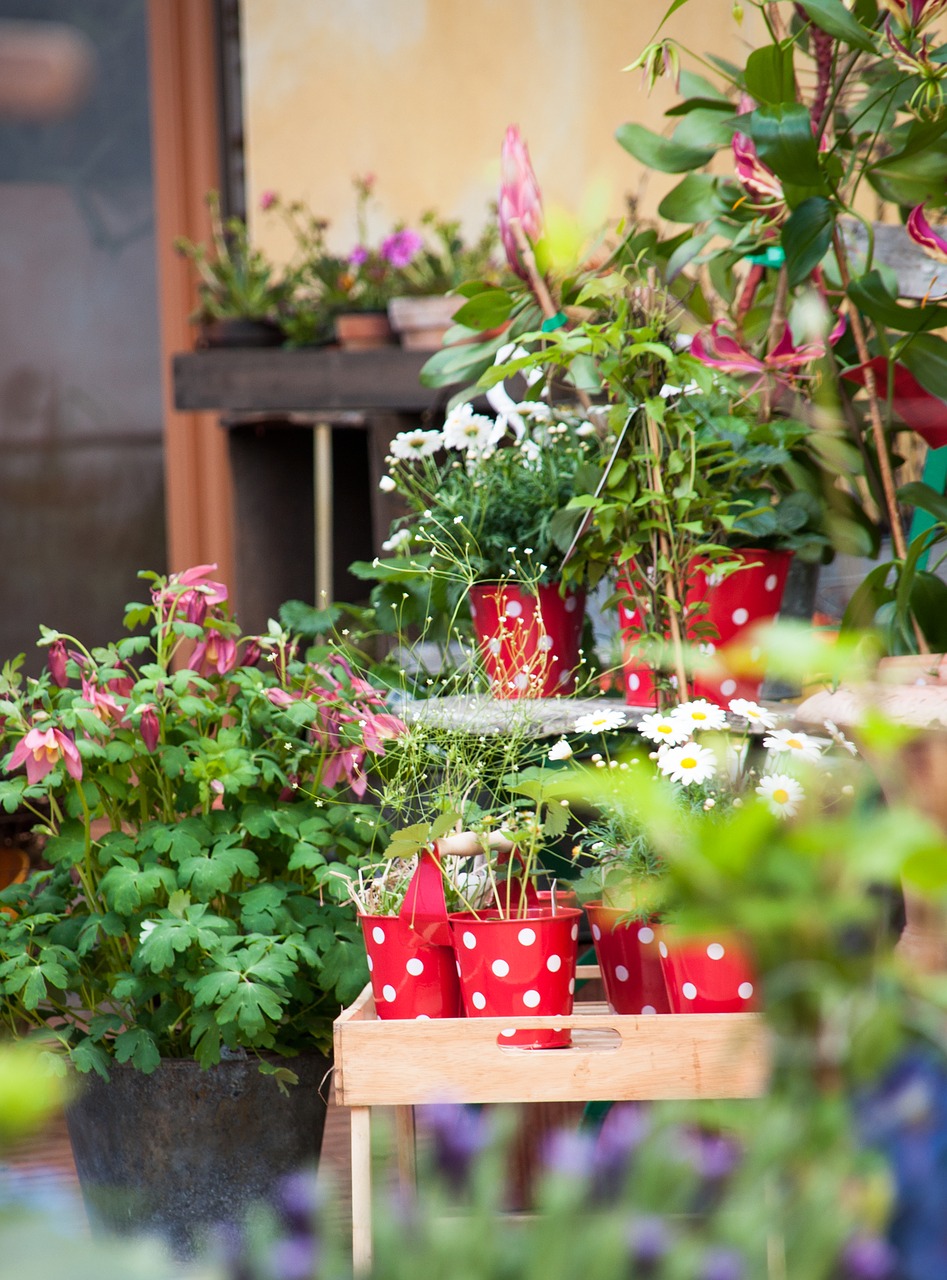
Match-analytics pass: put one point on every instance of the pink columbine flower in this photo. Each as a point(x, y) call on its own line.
point(56, 662)
point(214, 653)
point(103, 704)
point(201, 591)
point(149, 726)
point(520, 197)
point(401, 247)
point(721, 350)
point(281, 697)
point(41, 750)
point(922, 233)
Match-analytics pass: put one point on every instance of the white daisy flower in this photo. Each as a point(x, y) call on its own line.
point(800, 745)
point(559, 751)
point(687, 763)
point(468, 431)
point(600, 722)
point(782, 794)
point(396, 540)
point(700, 714)
point(752, 712)
point(658, 727)
point(416, 444)
point(387, 485)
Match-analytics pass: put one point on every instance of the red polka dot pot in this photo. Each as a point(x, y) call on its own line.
point(410, 977)
point(529, 643)
point(707, 974)
point(627, 954)
point(518, 966)
point(742, 600)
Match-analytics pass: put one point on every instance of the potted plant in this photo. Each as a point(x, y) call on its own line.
point(198, 790)
point(241, 296)
point(483, 494)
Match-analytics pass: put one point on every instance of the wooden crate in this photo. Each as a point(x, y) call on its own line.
point(613, 1057)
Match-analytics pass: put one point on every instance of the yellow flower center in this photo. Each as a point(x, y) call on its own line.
point(698, 715)
point(794, 743)
point(665, 728)
point(688, 763)
point(781, 796)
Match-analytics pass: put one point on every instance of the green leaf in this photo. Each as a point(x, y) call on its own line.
point(769, 76)
point(697, 198)
point(918, 494)
point(926, 357)
point(137, 1046)
point(215, 872)
point(916, 169)
point(870, 295)
point(250, 1006)
point(784, 142)
point(87, 1056)
point(806, 237)
point(661, 153)
point(832, 17)
point(214, 987)
point(487, 310)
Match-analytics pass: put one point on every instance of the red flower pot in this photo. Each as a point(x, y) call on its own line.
point(707, 974)
point(628, 957)
point(516, 967)
point(744, 599)
point(410, 978)
point(529, 642)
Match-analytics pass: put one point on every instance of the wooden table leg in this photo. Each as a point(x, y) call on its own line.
point(404, 1135)
point(361, 1190)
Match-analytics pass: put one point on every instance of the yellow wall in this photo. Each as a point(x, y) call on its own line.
point(420, 92)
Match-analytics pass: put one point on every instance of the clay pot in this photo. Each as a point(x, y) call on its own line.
point(363, 330)
point(421, 323)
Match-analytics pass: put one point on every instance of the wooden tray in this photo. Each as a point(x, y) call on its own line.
point(613, 1057)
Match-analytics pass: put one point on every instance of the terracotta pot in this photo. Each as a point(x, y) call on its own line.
point(410, 978)
point(421, 323)
point(707, 974)
point(517, 967)
point(529, 643)
point(14, 868)
point(743, 600)
point(363, 330)
point(628, 957)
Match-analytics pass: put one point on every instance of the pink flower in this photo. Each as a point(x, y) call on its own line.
point(201, 591)
point(520, 197)
point(268, 199)
point(149, 726)
point(359, 256)
point(281, 698)
point(914, 14)
point(57, 663)
point(214, 653)
point(103, 704)
point(721, 350)
point(401, 247)
point(41, 750)
point(252, 654)
point(922, 233)
point(756, 179)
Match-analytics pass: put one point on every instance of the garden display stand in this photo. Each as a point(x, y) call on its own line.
point(613, 1057)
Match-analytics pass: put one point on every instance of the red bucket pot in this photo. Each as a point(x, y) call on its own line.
point(529, 642)
point(707, 974)
point(410, 978)
point(744, 599)
point(517, 967)
point(627, 953)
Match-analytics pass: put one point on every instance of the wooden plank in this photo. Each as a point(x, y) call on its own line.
point(918, 274)
point(318, 380)
point(613, 1057)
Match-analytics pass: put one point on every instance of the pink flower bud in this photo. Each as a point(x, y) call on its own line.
point(150, 728)
point(519, 199)
point(57, 663)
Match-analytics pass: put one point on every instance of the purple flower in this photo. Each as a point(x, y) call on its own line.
point(57, 663)
point(648, 1241)
point(401, 247)
point(459, 1135)
point(359, 256)
point(294, 1258)
point(570, 1153)
point(299, 1199)
point(868, 1258)
point(722, 1264)
point(712, 1155)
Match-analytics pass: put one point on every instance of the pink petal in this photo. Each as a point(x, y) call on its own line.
point(922, 233)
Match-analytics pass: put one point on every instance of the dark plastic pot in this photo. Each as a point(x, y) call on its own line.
point(178, 1151)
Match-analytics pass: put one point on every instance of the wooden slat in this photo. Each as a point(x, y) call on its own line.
point(919, 276)
point(320, 380)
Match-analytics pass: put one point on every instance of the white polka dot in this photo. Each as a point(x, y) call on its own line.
point(389, 993)
point(621, 973)
point(716, 951)
point(728, 688)
point(500, 968)
point(423, 1017)
point(770, 583)
point(571, 986)
point(663, 949)
point(415, 966)
point(527, 937)
point(494, 646)
point(645, 934)
point(688, 990)
point(648, 1008)
point(378, 935)
point(596, 932)
point(571, 604)
point(513, 609)
point(554, 964)
point(531, 999)
point(544, 643)
point(631, 617)
point(745, 990)
point(478, 1000)
point(558, 1030)
point(371, 964)
point(521, 681)
point(740, 616)
point(634, 682)
point(470, 940)
point(575, 932)
point(509, 1031)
